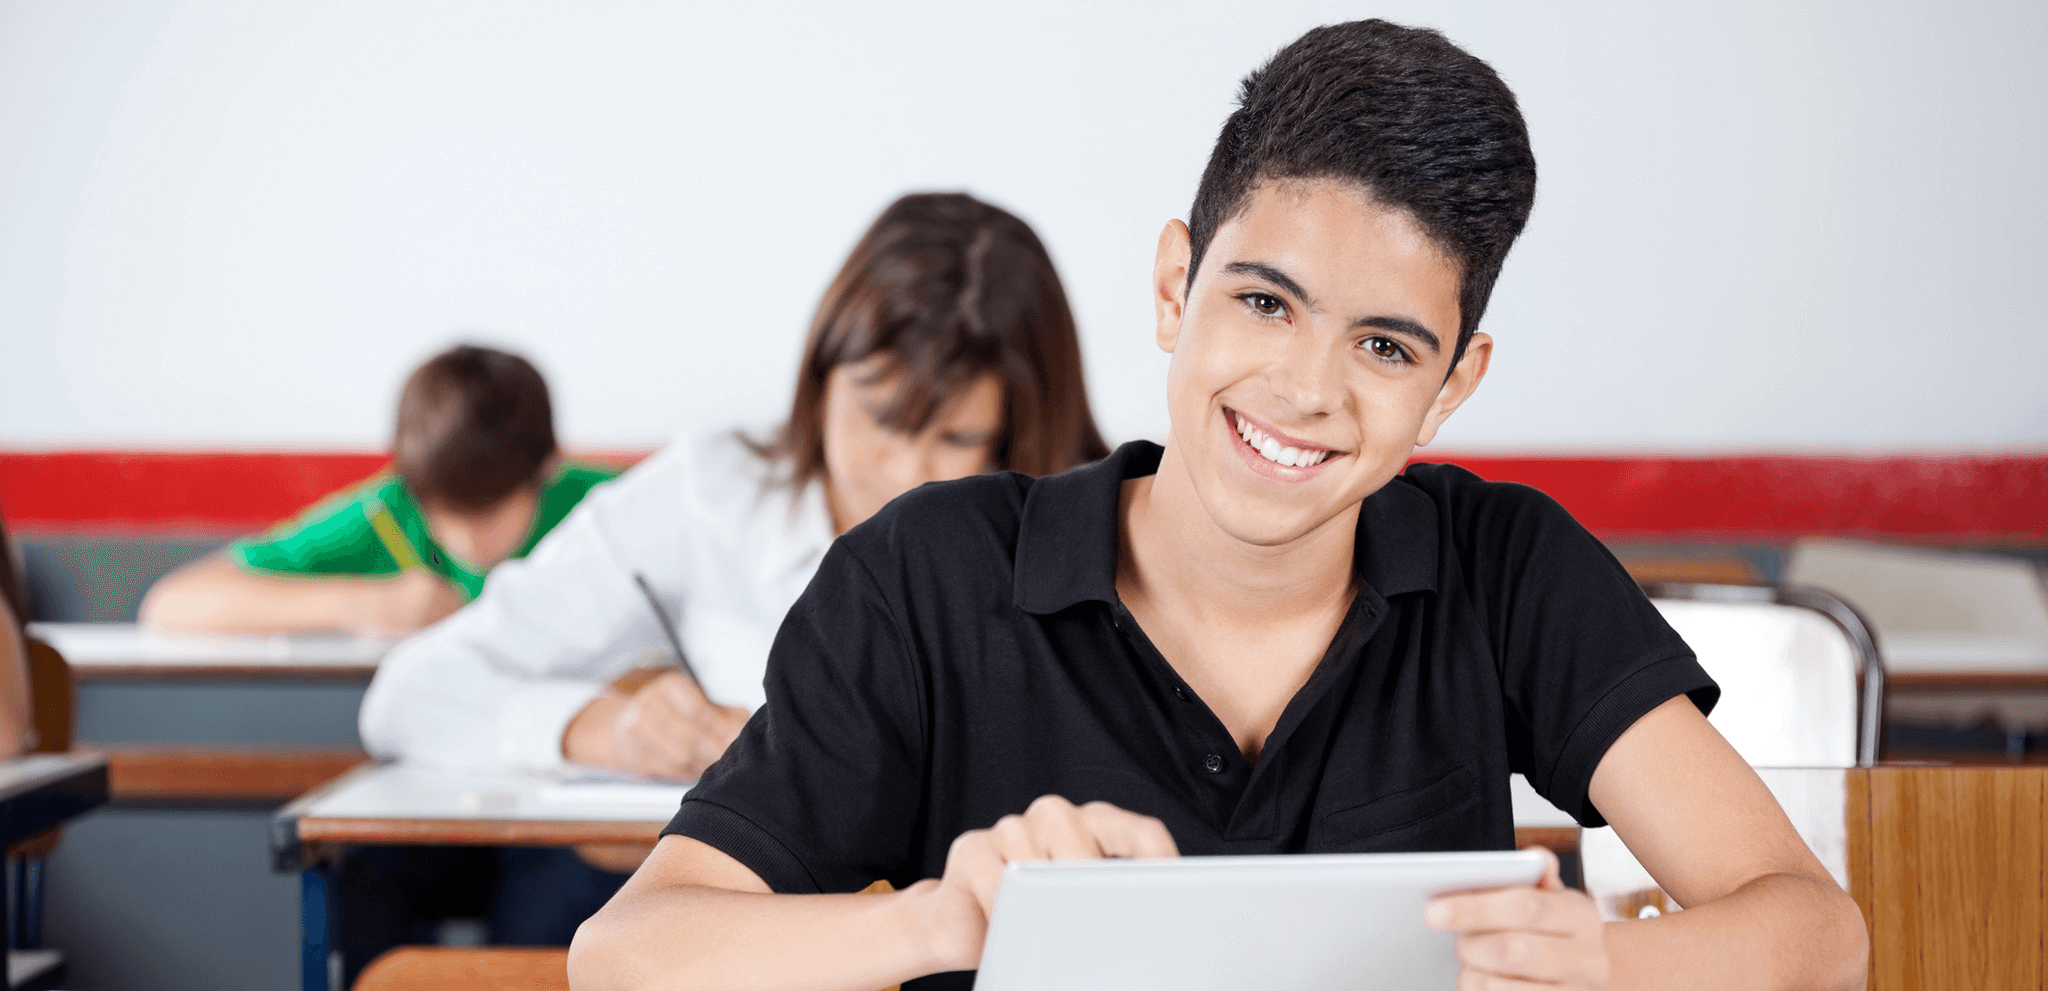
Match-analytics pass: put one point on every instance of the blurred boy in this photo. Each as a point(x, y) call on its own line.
point(477, 479)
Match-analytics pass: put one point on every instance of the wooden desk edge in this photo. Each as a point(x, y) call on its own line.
point(201, 671)
point(268, 774)
point(349, 831)
point(1923, 681)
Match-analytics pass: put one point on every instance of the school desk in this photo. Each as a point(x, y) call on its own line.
point(247, 720)
point(1949, 864)
point(393, 804)
point(38, 792)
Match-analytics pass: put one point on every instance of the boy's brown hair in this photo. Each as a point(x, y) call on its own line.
point(474, 424)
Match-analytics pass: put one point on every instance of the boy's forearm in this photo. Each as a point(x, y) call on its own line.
point(214, 596)
point(711, 939)
point(1780, 931)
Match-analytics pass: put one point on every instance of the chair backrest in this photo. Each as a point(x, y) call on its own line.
point(1787, 676)
point(1802, 684)
point(52, 692)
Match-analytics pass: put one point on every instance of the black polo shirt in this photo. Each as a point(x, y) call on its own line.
point(964, 652)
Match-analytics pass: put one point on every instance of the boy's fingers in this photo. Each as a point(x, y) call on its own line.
point(1502, 909)
point(1060, 830)
point(1473, 980)
point(1524, 955)
point(1014, 840)
point(1553, 879)
point(1122, 833)
point(974, 862)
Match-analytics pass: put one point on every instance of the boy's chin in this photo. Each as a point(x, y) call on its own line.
point(1265, 525)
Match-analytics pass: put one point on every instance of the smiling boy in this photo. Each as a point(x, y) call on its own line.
point(1264, 637)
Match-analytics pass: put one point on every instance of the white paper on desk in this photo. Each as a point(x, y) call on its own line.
point(610, 789)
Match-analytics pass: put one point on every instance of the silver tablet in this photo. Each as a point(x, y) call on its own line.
point(1351, 921)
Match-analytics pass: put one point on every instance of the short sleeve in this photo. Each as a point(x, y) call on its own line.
point(821, 791)
point(1582, 652)
point(334, 538)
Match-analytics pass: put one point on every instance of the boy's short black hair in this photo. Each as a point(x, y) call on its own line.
point(474, 424)
point(1414, 120)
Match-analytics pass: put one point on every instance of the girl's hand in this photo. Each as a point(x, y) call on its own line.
point(1512, 939)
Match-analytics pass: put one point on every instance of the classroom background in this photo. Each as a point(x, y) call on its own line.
point(1782, 281)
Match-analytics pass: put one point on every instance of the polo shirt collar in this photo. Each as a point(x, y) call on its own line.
point(1067, 536)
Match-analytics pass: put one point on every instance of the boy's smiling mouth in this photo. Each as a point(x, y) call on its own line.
point(1275, 454)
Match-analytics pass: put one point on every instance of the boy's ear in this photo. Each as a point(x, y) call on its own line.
point(1170, 283)
point(1458, 388)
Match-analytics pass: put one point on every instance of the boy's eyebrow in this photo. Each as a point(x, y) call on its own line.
point(1286, 283)
point(1398, 325)
point(1404, 327)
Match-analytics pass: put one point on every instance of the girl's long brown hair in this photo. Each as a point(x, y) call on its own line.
point(949, 288)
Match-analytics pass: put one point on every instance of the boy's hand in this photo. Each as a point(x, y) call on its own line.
point(413, 601)
point(1548, 935)
point(666, 728)
point(957, 906)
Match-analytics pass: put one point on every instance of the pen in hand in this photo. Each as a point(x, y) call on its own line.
point(668, 629)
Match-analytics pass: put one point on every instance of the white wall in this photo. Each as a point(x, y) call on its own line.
point(1760, 225)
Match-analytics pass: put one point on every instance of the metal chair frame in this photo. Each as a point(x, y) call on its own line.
point(1870, 668)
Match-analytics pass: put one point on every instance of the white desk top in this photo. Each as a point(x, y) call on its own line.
point(127, 650)
point(395, 791)
point(1921, 653)
point(27, 773)
point(400, 792)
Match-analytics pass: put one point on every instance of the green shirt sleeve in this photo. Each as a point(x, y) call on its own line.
point(333, 538)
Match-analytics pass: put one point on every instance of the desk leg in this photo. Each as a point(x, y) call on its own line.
point(6, 927)
point(316, 924)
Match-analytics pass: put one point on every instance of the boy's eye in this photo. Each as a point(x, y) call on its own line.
point(1264, 304)
point(1383, 347)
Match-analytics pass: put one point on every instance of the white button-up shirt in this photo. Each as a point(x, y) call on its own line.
point(727, 551)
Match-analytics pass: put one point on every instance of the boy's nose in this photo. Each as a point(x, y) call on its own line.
point(1307, 376)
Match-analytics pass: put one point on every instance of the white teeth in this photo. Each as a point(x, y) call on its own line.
point(1274, 451)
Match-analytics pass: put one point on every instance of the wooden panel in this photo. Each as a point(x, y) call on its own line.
point(1956, 877)
point(53, 693)
point(2007, 681)
point(219, 774)
point(1700, 570)
point(1560, 839)
point(463, 832)
point(1856, 816)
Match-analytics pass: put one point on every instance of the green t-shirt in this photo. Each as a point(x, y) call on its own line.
point(355, 532)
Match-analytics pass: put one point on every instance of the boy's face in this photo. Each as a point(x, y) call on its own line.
point(1309, 356)
point(484, 538)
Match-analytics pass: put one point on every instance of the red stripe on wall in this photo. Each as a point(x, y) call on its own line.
point(176, 492)
point(1977, 497)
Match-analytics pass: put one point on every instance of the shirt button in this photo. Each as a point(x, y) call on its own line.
point(1180, 693)
point(1214, 763)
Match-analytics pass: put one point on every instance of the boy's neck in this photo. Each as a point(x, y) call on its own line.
point(1173, 552)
